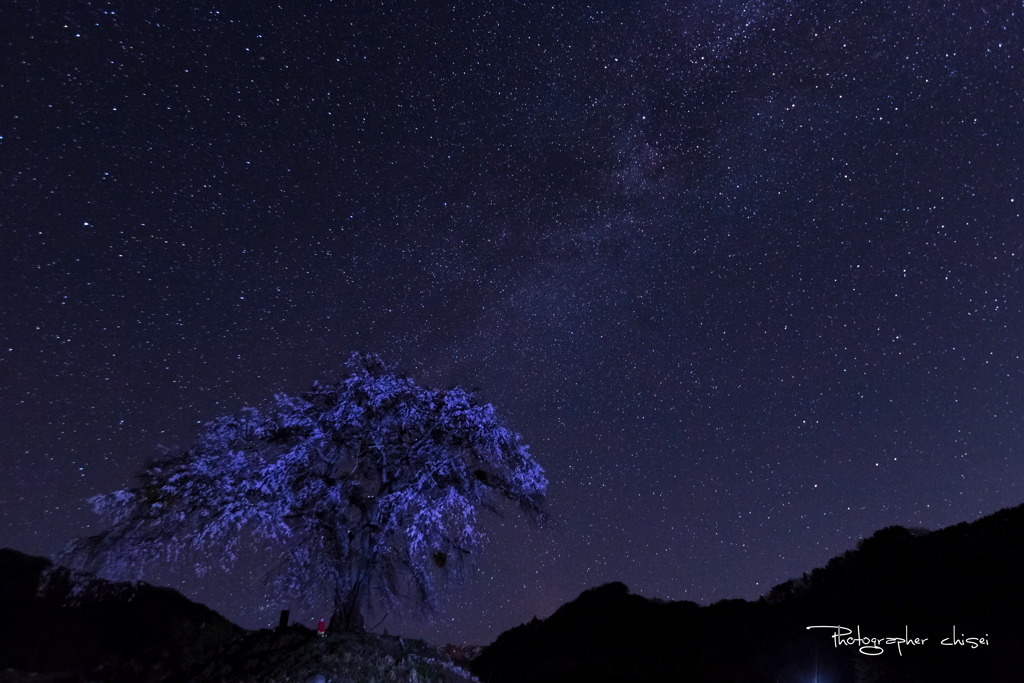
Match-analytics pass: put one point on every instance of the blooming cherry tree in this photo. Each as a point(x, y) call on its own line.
point(372, 488)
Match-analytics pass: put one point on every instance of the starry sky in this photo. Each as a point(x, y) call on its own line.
point(745, 274)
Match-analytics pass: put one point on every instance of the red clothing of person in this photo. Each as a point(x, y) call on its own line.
point(321, 627)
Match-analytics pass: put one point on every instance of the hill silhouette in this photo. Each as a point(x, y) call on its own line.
point(60, 625)
point(64, 624)
point(927, 606)
point(955, 595)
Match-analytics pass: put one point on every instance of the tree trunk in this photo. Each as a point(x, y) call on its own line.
point(347, 613)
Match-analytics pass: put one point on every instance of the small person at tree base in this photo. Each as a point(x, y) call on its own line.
point(321, 628)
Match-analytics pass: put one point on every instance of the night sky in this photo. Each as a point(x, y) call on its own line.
point(746, 275)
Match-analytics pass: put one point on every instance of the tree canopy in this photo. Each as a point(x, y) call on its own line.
point(372, 487)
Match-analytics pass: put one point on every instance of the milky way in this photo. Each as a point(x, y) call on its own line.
point(745, 275)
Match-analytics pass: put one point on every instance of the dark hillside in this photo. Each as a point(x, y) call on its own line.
point(898, 583)
point(55, 621)
point(60, 625)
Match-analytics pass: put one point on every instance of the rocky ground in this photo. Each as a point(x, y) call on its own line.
point(298, 654)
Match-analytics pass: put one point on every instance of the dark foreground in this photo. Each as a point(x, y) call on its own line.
point(58, 625)
point(905, 606)
point(928, 606)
